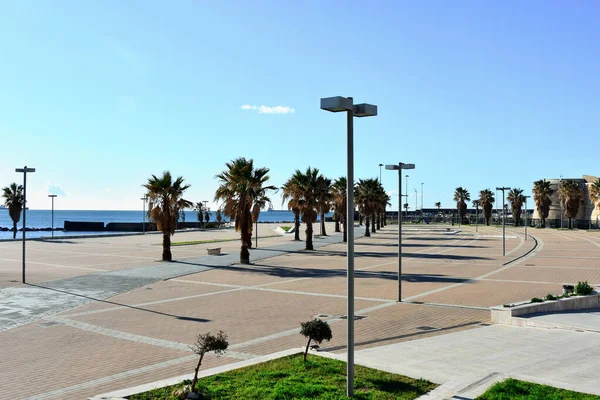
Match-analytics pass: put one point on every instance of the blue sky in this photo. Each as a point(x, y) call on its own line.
point(99, 95)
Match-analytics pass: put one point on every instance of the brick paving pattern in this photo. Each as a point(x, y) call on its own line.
point(141, 334)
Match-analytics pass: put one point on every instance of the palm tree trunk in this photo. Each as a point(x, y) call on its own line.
point(345, 226)
point(323, 233)
point(246, 238)
point(373, 223)
point(337, 225)
point(360, 220)
point(166, 254)
point(309, 236)
point(367, 233)
point(14, 230)
point(378, 221)
point(297, 225)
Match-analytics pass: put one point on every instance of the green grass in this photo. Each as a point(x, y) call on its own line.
point(286, 228)
point(292, 378)
point(193, 242)
point(518, 390)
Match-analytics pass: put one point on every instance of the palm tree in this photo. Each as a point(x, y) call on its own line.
point(241, 186)
point(165, 199)
point(366, 195)
point(340, 202)
point(486, 200)
point(291, 194)
point(439, 206)
point(516, 199)
point(323, 199)
point(308, 187)
point(571, 196)
point(461, 196)
point(594, 193)
point(541, 196)
point(13, 199)
point(219, 218)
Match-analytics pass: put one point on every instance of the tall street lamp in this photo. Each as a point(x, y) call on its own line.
point(422, 198)
point(144, 200)
point(406, 195)
point(339, 104)
point(560, 202)
point(380, 165)
point(399, 168)
point(503, 220)
point(526, 197)
point(52, 196)
point(416, 199)
point(24, 170)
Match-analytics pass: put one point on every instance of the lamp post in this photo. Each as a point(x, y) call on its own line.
point(203, 211)
point(380, 165)
point(338, 104)
point(406, 195)
point(503, 220)
point(399, 168)
point(415, 215)
point(422, 199)
point(560, 202)
point(24, 170)
point(52, 196)
point(144, 200)
point(526, 197)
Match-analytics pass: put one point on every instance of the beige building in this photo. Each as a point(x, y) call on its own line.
point(587, 211)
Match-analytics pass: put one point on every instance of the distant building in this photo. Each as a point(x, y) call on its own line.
point(587, 210)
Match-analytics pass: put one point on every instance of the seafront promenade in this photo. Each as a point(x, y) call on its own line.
point(106, 315)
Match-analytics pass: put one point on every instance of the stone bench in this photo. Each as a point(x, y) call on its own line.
point(214, 251)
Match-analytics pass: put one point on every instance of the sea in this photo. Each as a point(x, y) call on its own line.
point(43, 219)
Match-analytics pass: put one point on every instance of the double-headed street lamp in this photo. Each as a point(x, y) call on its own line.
point(422, 199)
point(24, 170)
point(399, 168)
point(52, 196)
point(526, 197)
point(144, 199)
point(341, 104)
point(503, 220)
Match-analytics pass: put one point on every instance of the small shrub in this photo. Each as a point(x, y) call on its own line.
point(537, 300)
point(316, 330)
point(550, 296)
point(509, 305)
point(286, 228)
point(206, 343)
point(583, 288)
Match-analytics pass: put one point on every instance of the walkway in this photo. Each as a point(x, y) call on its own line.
point(26, 304)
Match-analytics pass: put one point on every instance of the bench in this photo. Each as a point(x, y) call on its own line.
point(214, 251)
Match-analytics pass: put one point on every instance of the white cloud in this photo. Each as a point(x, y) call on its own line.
point(108, 190)
point(262, 109)
point(53, 188)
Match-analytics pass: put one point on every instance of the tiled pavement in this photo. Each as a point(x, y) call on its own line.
point(142, 335)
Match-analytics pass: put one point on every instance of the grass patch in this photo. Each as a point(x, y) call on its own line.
point(194, 242)
point(286, 228)
point(292, 378)
point(519, 390)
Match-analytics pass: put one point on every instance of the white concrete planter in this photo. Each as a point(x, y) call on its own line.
point(506, 315)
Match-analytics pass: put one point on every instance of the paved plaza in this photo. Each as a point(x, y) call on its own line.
point(102, 314)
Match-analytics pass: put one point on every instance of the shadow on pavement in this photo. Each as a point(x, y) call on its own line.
point(183, 318)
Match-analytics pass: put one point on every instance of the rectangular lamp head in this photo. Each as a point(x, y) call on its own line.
point(392, 167)
point(502, 188)
point(365, 110)
point(25, 169)
point(336, 104)
point(408, 166)
point(52, 195)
